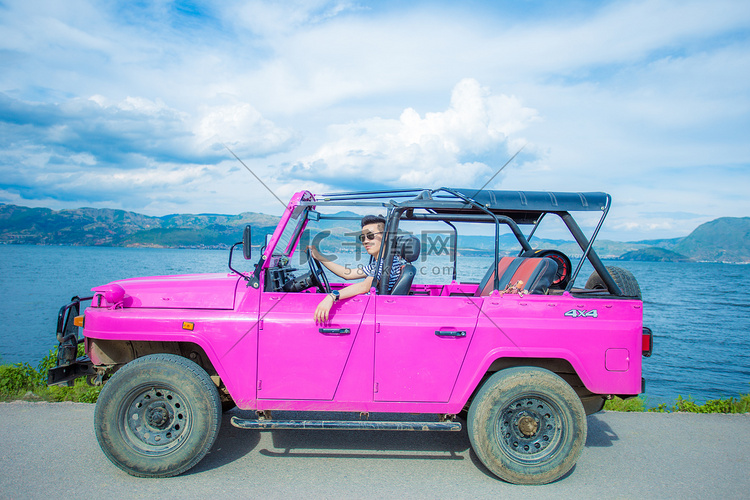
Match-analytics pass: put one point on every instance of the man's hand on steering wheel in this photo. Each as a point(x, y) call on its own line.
point(311, 250)
point(318, 276)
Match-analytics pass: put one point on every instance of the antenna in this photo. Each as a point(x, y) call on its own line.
point(495, 174)
point(248, 169)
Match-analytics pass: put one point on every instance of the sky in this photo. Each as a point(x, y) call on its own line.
point(135, 104)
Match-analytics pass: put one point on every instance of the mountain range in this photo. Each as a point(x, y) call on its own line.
point(726, 239)
point(108, 227)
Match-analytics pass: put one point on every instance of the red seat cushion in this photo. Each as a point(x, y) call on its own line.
point(535, 273)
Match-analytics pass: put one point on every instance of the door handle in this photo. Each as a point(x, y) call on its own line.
point(450, 333)
point(335, 331)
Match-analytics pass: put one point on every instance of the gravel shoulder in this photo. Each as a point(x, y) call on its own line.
point(50, 449)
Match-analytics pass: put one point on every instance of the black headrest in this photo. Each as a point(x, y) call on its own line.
point(408, 248)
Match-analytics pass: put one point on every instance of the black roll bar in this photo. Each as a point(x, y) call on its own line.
point(528, 207)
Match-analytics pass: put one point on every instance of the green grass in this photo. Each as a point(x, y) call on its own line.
point(731, 405)
point(23, 381)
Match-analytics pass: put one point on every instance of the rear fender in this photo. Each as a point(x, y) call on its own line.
point(564, 364)
point(592, 402)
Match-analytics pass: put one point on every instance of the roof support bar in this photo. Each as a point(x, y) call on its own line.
point(496, 284)
point(588, 250)
point(387, 250)
point(454, 255)
point(478, 218)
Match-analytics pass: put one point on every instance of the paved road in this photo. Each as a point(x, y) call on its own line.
point(50, 450)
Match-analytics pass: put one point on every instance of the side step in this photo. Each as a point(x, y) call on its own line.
point(346, 425)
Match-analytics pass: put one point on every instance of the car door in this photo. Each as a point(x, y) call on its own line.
point(420, 344)
point(297, 358)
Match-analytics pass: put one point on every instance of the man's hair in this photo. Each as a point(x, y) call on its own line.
point(373, 219)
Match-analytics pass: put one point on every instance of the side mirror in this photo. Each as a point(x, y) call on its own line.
point(246, 239)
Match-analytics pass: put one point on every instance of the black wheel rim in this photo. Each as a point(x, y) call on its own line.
point(155, 420)
point(530, 429)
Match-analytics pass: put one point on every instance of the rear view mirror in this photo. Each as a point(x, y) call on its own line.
point(246, 240)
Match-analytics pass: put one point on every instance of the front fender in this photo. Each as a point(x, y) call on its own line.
point(228, 338)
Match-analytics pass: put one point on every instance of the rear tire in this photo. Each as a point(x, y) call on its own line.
point(527, 425)
point(624, 279)
point(157, 416)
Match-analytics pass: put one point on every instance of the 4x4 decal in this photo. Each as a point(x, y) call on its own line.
point(582, 313)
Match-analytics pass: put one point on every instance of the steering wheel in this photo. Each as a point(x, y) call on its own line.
point(318, 277)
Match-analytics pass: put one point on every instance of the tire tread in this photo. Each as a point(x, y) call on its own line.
point(191, 377)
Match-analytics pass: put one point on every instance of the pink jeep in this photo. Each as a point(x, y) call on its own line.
point(522, 356)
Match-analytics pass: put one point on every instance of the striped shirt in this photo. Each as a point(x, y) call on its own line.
point(398, 264)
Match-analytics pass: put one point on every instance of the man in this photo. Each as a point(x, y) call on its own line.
point(373, 227)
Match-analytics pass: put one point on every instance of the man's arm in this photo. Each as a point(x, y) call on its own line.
point(348, 273)
point(321, 312)
point(356, 288)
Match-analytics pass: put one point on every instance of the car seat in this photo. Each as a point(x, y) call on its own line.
point(407, 247)
point(536, 274)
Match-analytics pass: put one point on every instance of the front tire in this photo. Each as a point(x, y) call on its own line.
point(157, 416)
point(527, 425)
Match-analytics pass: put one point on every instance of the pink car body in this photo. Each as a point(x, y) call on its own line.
point(426, 352)
point(270, 354)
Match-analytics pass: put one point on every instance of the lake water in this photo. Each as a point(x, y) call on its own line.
point(699, 312)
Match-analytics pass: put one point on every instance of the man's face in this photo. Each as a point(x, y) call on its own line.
point(373, 237)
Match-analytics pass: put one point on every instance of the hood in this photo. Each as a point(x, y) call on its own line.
point(187, 291)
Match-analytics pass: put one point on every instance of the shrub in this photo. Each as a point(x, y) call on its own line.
point(630, 404)
point(731, 405)
point(18, 378)
point(81, 392)
point(50, 361)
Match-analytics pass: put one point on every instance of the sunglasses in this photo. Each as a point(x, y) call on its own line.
point(369, 236)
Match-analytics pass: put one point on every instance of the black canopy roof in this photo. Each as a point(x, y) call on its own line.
point(542, 201)
point(522, 206)
point(537, 201)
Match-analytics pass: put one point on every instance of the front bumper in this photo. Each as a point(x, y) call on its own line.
point(66, 374)
point(68, 366)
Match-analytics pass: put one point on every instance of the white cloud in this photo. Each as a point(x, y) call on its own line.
point(441, 148)
point(274, 19)
point(130, 152)
point(420, 49)
point(243, 128)
point(634, 97)
point(617, 33)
